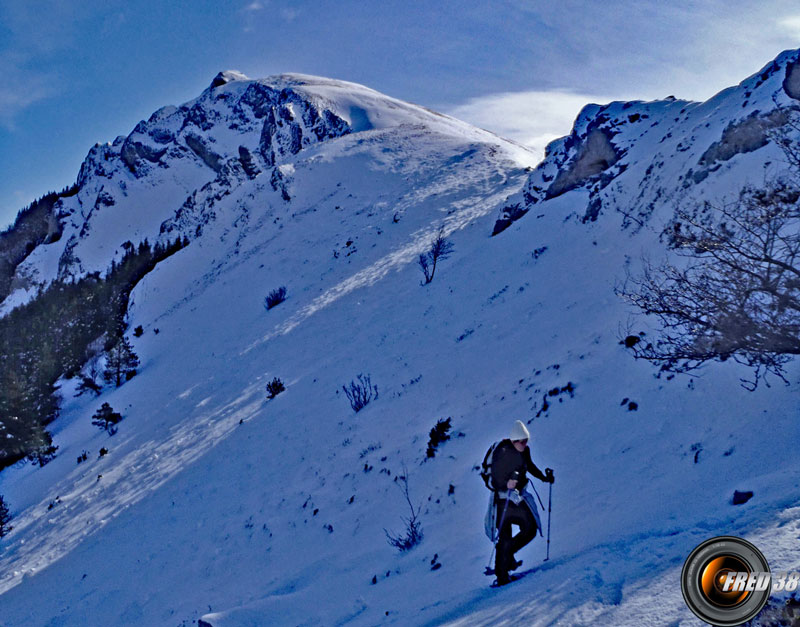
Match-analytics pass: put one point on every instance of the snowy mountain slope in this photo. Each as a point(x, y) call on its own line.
point(257, 140)
point(216, 503)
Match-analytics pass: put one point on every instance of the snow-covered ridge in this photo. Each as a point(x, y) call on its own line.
point(165, 177)
point(637, 157)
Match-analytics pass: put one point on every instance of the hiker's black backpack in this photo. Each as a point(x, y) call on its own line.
point(486, 467)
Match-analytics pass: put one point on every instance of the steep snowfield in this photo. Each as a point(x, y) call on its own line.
point(215, 503)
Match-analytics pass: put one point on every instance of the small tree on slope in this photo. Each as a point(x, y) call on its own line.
point(106, 418)
point(440, 248)
point(121, 363)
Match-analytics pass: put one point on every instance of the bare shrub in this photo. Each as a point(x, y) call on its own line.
point(412, 534)
point(734, 290)
point(360, 392)
point(440, 248)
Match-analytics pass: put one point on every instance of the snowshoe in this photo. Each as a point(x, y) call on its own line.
point(490, 571)
point(497, 583)
point(511, 578)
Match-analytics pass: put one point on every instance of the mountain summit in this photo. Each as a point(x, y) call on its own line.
point(245, 136)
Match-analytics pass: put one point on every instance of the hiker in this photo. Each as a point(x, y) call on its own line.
point(513, 505)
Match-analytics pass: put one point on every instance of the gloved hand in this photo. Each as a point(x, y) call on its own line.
point(549, 477)
point(515, 497)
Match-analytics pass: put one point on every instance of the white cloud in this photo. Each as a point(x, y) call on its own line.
point(250, 13)
point(290, 15)
point(23, 87)
point(790, 25)
point(532, 118)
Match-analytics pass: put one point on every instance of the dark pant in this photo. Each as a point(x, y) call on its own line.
point(507, 545)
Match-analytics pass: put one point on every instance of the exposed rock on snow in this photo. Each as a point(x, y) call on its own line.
point(292, 122)
point(223, 78)
point(745, 136)
point(208, 156)
point(248, 162)
point(740, 498)
point(791, 83)
point(595, 154)
point(132, 151)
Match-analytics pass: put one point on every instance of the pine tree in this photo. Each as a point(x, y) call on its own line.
point(45, 453)
point(121, 363)
point(5, 518)
point(106, 418)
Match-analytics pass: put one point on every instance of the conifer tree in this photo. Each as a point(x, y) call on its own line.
point(121, 363)
point(106, 418)
point(5, 518)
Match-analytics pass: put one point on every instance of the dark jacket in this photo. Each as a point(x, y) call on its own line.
point(507, 460)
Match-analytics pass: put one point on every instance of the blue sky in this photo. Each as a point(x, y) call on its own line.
point(77, 73)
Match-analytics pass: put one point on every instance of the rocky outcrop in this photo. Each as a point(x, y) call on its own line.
point(208, 156)
point(291, 123)
point(746, 136)
point(278, 183)
point(223, 78)
point(133, 151)
point(248, 162)
point(195, 213)
point(287, 121)
point(791, 83)
point(595, 155)
point(509, 215)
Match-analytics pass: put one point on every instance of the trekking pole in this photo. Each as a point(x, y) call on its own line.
point(549, 516)
point(497, 529)
point(537, 494)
